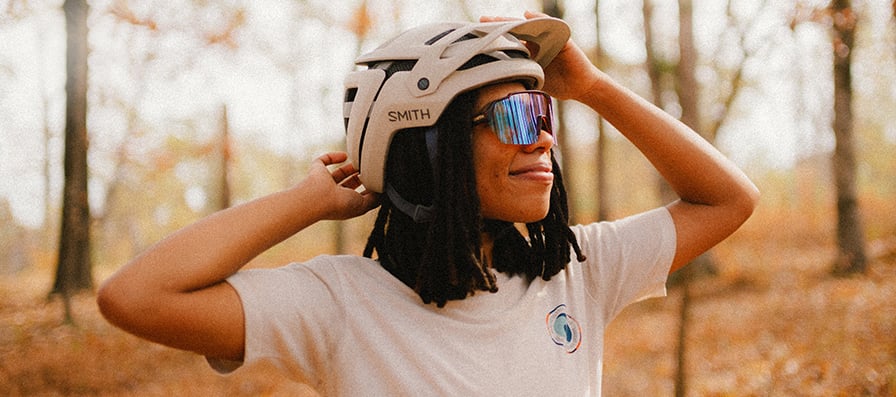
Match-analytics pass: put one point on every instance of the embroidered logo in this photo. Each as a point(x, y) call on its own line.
point(565, 331)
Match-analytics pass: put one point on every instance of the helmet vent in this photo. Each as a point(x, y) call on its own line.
point(434, 39)
point(392, 67)
point(482, 59)
point(438, 36)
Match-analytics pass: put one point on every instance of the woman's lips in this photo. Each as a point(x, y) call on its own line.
point(537, 171)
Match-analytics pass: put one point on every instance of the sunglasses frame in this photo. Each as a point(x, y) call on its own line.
point(488, 112)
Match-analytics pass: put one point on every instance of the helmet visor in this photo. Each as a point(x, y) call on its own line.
point(519, 118)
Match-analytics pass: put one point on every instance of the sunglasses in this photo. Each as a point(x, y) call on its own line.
point(519, 118)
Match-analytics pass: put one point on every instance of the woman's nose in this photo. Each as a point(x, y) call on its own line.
point(545, 139)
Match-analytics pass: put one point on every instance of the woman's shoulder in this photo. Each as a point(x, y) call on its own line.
point(599, 237)
point(352, 269)
point(654, 218)
point(329, 262)
point(328, 267)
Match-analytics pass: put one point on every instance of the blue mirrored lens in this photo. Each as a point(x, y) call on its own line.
point(519, 118)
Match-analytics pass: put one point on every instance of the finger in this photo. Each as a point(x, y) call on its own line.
point(341, 174)
point(535, 14)
point(351, 181)
point(497, 19)
point(333, 158)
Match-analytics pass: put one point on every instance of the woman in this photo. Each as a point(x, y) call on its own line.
point(477, 285)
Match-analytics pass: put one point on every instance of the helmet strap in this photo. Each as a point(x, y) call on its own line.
point(432, 145)
point(419, 213)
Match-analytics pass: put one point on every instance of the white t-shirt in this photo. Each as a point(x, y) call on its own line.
point(348, 327)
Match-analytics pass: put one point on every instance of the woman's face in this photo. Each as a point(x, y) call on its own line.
point(513, 181)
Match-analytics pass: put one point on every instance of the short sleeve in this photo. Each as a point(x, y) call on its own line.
point(628, 260)
point(287, 313)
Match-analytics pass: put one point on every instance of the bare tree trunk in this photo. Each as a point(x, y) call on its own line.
point(73, 272)
point(851, 256)
point(601, 185)
point(226, 154)
point(553, 8)
point(688, 93)
point(602, 144)
point(688, 90)
point(654, 70)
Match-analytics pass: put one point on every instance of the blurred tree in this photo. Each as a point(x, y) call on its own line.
point(688, 92)
point(656, 70)
point(12, 239)
point(117, 218)
point(143, 48)
point(73, 272)
point(851, 257)
point(226, 153)
point(564, 149)
point(687, 89)
point(600, 166)
point(681, 76)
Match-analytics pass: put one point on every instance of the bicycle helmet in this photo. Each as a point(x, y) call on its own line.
point(411, 79)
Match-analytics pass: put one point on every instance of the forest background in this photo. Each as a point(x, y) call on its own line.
point(198, 105)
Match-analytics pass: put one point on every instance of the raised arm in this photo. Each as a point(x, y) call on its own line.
point(715, 196)
point(175, 293)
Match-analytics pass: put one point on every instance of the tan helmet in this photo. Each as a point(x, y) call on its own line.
point(412, 78)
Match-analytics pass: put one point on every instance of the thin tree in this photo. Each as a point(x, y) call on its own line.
point(658, 73)
point(654, 66)
point(682, 77)
point(851, 257)
point(602, 148)
point(564, 150)
point(73, 271)
point(688, 93)
point(226, 154)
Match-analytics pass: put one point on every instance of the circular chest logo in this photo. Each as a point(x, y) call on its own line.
point(565, 331)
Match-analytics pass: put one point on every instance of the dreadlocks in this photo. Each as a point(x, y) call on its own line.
point(441, 260)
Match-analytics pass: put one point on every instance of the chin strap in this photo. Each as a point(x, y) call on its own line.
point(419, 213)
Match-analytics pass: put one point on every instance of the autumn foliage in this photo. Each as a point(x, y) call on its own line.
point(773, 322)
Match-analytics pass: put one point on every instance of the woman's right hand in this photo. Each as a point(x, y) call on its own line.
point(175, 292)
point(337, 189)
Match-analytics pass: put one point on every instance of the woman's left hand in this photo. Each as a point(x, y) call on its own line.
point(567, 75)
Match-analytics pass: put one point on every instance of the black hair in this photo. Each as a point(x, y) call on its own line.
point(441, 259)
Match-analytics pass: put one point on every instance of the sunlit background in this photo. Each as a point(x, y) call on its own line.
point(161, 75)
point(162, 70)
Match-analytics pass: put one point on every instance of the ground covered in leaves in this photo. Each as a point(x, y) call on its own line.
point(771, 322)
